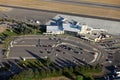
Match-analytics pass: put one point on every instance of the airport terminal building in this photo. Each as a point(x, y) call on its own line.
point(64, 26)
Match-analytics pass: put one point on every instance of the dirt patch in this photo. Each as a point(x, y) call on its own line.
point(58, 78)
point(63, 7)
point(3, 27)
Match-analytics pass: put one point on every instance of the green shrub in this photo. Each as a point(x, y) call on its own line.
point(79, 77)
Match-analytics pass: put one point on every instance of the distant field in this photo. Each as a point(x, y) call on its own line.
point(115, 2)
point(5, 9)
point(40, 4)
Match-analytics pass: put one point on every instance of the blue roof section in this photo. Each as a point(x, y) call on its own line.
point(59, 19)
point(60, 26)
point(73, 22)
point(74, 26)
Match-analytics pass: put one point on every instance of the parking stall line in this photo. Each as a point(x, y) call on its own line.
point(24, 46)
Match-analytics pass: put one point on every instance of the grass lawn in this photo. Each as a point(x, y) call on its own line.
point(57, 78)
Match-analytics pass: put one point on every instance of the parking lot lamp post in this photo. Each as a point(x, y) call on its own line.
point(24, 31)
point(36, 25)
point(34, 29)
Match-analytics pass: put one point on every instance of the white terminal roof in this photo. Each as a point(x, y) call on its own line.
point(53, 28)
point(72, 28)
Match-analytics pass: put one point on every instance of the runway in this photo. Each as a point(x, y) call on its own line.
point(91, 4)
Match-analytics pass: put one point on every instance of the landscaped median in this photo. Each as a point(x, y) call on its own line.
point(8, 37)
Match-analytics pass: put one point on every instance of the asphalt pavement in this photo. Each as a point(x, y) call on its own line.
point(29, 48)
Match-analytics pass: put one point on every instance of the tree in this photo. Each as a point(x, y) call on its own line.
point(71, 69)
point(15, 77)
point(48, 72)
point(43, 73)
point(36, 74)
point(98, 67)
point(77, 69)
point(29, 73)
point(54, 72)
point(87, 68)
point(48, 61)
point(89, 77)
point(82, 69)
point(65, 69)
point(60, 71)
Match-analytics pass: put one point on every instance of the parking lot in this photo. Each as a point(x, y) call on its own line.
point(58, 49)
point(112, 46)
